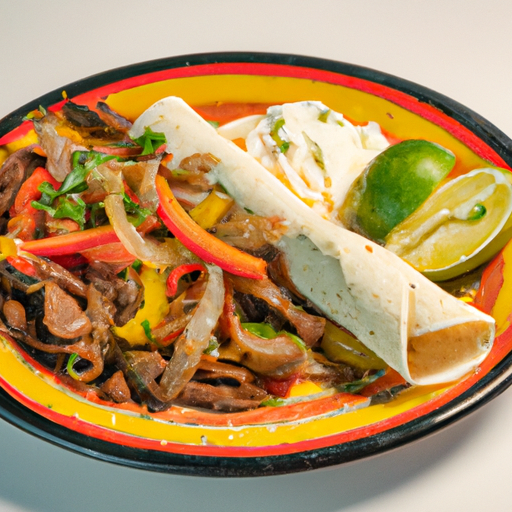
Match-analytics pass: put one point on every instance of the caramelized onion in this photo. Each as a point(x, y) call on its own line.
point(278, 357)
point(192, 343)
point(86, 349)
point(141, 248)
point(222, 398)
point(309, 327)
point(62, 314)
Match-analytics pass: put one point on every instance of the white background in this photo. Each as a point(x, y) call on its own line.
point(461, 48)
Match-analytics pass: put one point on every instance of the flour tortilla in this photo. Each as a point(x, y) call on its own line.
point(421, 331)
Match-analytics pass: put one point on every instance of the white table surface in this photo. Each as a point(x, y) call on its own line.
point(461, 48)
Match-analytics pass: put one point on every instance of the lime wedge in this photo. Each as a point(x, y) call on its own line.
point(394, 185)
point(461, 226)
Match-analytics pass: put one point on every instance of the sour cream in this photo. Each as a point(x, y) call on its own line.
point(313, 150)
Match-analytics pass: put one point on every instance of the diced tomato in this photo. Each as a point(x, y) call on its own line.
point(280, 387)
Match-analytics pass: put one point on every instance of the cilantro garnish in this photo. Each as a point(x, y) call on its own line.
point(358, 385)
point(67, 208)
point(150, 141)
point(135, 209)
point(137, 265)
point(147, 331)
point(282, 144)
point(213, 345)
point(324, 115)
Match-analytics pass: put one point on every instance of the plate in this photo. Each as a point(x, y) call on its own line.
point(297, 437)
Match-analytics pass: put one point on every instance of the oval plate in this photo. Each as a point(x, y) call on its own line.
point(298, 437)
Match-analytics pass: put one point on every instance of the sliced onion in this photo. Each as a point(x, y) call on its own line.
point(188, 197)
point(141, 179)
point(134, 243)
point(192, 343)
point(112, 179)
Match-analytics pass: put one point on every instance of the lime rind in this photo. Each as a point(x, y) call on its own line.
point(394, 185)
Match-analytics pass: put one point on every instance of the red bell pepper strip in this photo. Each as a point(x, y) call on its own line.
point(202, 243)
point(130, 193)
point(25, 219)
point(490, 286)
point(119, 151)
point(389, 380)
point(29, 191)
point(70, 261)
point(177, 274)
point(22, 265)
point(170, 337)
point(80, 241)
point(109, 253)
point(71, 242)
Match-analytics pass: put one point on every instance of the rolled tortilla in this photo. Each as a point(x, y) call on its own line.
point(421, 331)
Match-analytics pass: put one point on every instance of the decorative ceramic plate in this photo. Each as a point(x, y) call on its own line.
point(296, 437)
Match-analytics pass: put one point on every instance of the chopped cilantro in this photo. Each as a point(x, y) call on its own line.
point(315, 150)
point(324, 115)
point(83, 163)
point(213, 345)
point(68, 205)
point(135, 209)
point(150, 141)
point(67, 208)
point(137, 265)
point(282, 144)
point(147, 331)
point(358, 385)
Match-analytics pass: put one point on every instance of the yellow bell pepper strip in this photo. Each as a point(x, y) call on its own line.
point(211, 210)
point(71, 243)
point(200, 242)
point(7, 248)
point(178, 273)
point(342, 347)
point(154, 310)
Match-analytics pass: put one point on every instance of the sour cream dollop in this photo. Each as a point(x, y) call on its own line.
point(313, 150)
